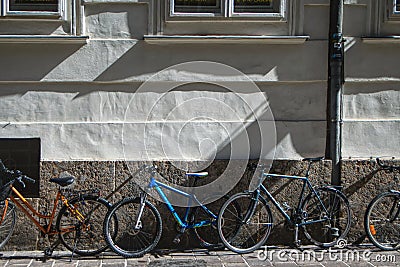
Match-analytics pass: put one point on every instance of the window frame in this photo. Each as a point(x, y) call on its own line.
point(393, 12)
point(227, 12)
point(60, 14)
point(395, 4)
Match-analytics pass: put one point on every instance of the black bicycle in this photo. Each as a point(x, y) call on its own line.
point(382, 220)
point(324, 215)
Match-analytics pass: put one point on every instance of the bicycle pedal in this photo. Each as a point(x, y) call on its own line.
point(177, 240)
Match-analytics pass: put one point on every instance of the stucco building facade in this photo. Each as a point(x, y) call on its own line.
point(75, 93)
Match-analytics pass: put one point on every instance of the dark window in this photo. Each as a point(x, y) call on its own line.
point(33, 6)
point(397, 7)
point(198, 6)
point(253, 6)
point(23, 155)
point(225, 8)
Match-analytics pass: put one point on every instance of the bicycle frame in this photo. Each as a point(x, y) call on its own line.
point(395, 205)
point(21, 202)
point(306, 184)
point(191, 198)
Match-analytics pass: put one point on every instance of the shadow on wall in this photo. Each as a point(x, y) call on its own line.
point(32, 62)
point(132, 60)
point(259, 62)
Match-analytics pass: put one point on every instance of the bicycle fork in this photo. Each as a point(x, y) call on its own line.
point(392, 211)
point(138, 223)
point(252, 207)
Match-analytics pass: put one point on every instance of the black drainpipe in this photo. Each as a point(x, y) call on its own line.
point(335, 86)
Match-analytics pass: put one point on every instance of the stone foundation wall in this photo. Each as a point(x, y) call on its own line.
point(361, 181)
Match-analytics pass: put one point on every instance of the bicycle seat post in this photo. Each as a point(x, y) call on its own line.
point(308, 168)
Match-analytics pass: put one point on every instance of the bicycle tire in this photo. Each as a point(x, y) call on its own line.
point(208, 234)
point(89, 241)
point(239, 236)
point(128, 242)
point(7, 224)
point(326, 233)
point(381, 221)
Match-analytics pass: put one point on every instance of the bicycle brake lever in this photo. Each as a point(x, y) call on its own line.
point(19, 179)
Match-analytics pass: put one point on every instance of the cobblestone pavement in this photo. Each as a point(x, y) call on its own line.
point(270, 256)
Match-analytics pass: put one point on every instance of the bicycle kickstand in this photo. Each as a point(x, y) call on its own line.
point(76, 240)
point(297, 242)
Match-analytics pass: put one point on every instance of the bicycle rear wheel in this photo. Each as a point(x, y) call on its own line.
point(129, 241)
point(381, 221)
point(7, 221)
point(208, 234)
point(334, 216)
point(84, 238)
point(241, 228)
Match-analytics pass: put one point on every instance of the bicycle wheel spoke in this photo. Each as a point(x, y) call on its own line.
point(137, 237)
point(328, 217)
point(83, 238)
point(8, 223)
point(381, 221)
point(207, 234)
point(244, 235)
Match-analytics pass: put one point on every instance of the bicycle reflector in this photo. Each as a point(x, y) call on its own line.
point(372, 229)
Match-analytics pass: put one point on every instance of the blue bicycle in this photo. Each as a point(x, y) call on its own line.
point(140, 223)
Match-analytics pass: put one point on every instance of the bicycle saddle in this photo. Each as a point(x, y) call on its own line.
point(197, 174)
point(63, 181)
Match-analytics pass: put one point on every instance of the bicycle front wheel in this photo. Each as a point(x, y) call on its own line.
point(136, 236)
point(327, 217)
point(381, 221)
point(83, 236)
point(244, 223)
point(7, 223)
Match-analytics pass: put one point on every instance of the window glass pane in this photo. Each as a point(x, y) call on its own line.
point(397, 8)
point(34, 5)
point(254, 6)
point(197, 6)
point(24, 155)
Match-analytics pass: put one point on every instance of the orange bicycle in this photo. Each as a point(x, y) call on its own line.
point(78, 223)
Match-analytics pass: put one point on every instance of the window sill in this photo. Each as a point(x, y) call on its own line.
point(224, 39)
point(28, 39)
point(395, 39)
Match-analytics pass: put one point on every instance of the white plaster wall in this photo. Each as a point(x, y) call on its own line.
point(364, 139)
point(371, 119)
point(74, 96)
point(371, 98)
point(117, 21)
point(125, 60)
point(112, 125)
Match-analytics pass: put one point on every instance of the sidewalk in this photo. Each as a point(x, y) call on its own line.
point(310, 256)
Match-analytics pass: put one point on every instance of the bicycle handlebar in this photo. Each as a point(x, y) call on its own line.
point(385, 166)
point(16, 175)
